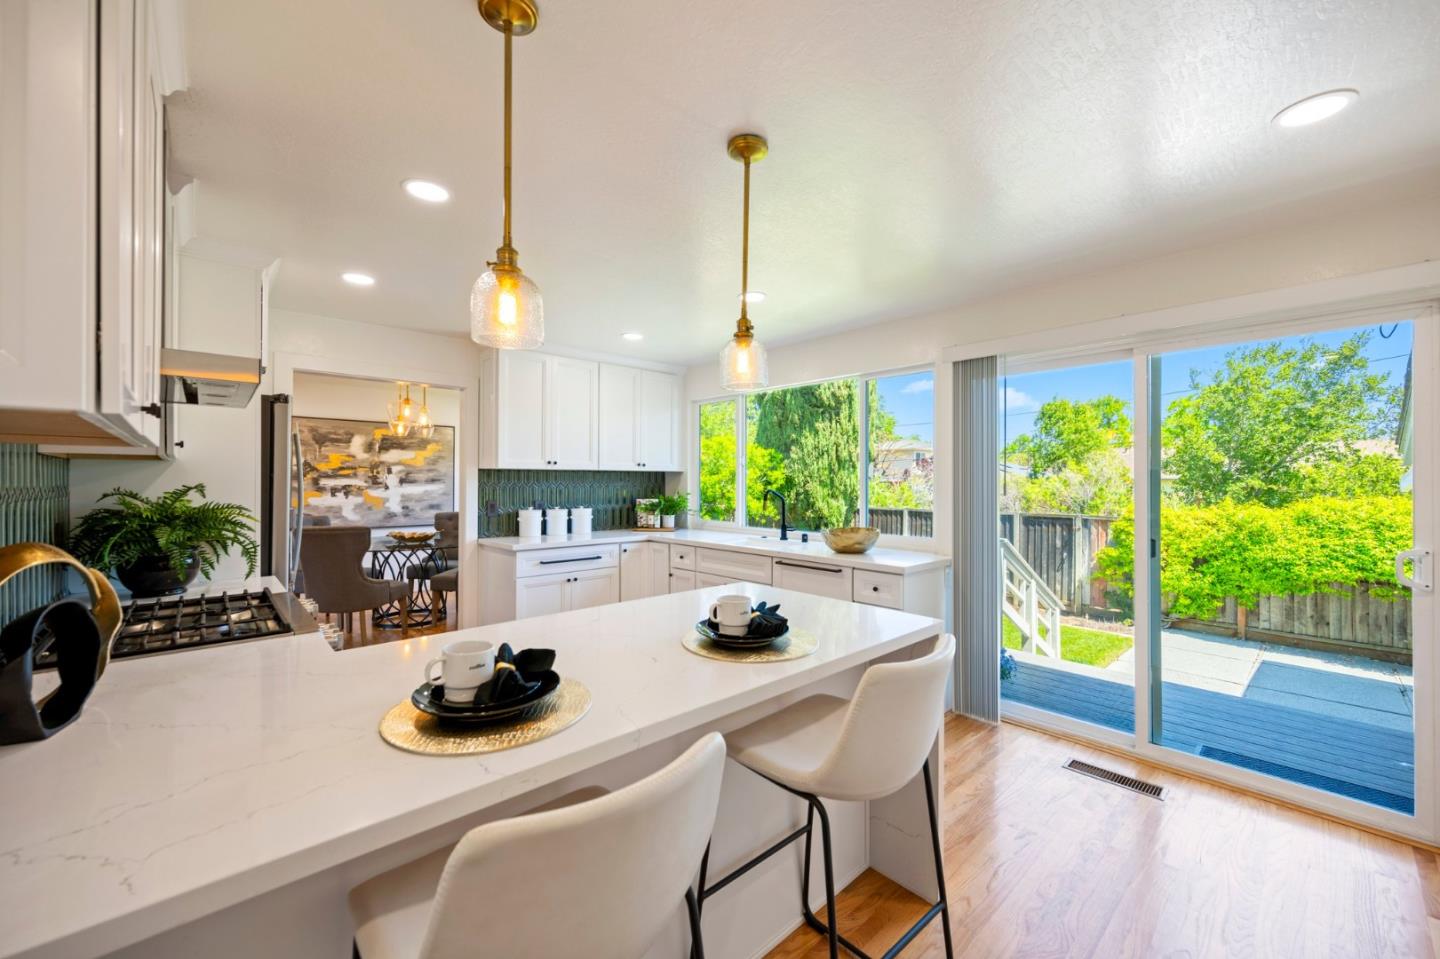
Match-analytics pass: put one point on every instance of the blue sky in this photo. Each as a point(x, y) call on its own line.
point(1025, 393)
point(911, 398)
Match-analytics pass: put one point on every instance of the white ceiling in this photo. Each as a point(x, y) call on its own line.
point(922, 153)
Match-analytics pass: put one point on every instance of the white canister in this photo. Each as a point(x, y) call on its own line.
point(581, 518)
point(529, 522)
point(557, 522)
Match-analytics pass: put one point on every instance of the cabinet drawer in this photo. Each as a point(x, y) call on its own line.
point(568, 559)
point(880, 589)
point(682, 557)
point(818, 579)
point(734, 566)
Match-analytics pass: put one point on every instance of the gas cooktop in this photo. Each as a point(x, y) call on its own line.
point(172, 623)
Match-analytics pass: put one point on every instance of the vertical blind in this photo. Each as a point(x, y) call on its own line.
point(977, 516)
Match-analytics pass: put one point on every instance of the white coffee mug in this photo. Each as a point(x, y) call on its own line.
point(732, 614)
point(465, 666)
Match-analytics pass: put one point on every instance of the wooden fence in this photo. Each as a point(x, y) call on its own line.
point(1061, 549)
point(903, 522)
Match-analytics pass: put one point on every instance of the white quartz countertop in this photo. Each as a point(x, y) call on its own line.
point(195, 781)
point(880, 559)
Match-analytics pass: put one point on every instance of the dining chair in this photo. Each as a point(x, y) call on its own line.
point(440, 584)
point(333, 559)
point(858, 749)
point(587, 879)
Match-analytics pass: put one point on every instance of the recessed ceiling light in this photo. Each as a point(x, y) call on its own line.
point(427, 191)
point(632, 337)
point(753, 296)
point(1314, 109)
point(358, 279)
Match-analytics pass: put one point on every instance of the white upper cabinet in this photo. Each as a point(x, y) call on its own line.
point(619, 408)
point(573, 412)
point(659, 421)
point(538, 411)
point(82, 213)
point(639, 419)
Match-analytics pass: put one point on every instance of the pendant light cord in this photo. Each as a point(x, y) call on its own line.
point(745, 250)
point(509, 35)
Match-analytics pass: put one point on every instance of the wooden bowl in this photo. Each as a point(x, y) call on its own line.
point(851, 539)
point(412, 536)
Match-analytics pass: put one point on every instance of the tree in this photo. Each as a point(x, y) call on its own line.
point(1068, 431)
point(815, 432)
point(1098, 485)
point(1274, 419)
point(717, 460)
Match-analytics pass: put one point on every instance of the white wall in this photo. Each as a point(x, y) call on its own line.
point(1363, 238)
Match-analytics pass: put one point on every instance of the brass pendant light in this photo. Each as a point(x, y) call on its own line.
point(743, 364)
point(505, 307)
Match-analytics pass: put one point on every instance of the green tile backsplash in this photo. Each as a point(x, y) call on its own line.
point(34, 507)
point(610, 493)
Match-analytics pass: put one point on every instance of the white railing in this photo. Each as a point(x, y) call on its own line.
point(1029, 603)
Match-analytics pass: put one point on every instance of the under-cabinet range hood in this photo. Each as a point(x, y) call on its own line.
point(208, 379)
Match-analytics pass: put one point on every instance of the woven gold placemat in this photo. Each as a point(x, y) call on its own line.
point(793, 645)
point(407, 728)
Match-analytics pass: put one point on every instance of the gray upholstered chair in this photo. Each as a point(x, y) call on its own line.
point(333, 557)
point(440, 584)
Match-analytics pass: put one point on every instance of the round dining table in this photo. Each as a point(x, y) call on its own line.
point(392, 559)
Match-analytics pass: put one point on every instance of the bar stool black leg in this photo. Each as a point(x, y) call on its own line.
point(697, 941)
point(939, 863)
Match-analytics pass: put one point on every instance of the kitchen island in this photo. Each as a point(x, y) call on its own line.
point(222, 802)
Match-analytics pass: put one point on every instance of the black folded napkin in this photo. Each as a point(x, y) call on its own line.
point(512, 674)
point(765, 621)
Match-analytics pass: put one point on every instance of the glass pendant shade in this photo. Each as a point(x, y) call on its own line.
point(743, 364)
point(506, 312)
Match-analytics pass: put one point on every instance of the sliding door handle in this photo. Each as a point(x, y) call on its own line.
point(1420, 579)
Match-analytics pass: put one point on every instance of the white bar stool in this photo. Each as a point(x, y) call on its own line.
point(584, 879)
point(857, 750)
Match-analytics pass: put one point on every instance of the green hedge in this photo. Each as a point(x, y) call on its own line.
point(1247, 550)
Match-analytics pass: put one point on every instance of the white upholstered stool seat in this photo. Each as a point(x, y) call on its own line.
point(392, 910)
point(596, 874)
point(867, 747)
point(790, 745)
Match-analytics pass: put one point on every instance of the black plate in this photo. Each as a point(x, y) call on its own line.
point(428, 698)
point(736, 642)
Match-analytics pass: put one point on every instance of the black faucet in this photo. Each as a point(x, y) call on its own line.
point(784, 527)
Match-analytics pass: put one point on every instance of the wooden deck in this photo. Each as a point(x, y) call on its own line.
point(1365, 762)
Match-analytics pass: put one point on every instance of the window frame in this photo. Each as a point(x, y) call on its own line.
point(741, 522)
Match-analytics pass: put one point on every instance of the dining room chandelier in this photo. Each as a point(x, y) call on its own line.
point(506, 311)
point(743, 364)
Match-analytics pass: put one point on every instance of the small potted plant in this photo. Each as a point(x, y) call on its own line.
point(671, 507)
point(157, 547)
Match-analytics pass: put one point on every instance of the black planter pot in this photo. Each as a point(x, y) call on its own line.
point(154, 576)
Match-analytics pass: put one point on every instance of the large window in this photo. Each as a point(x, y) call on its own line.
point(804, 442)
point(901, 421)
point(717, 461)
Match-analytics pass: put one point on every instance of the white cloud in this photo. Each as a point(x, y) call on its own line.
point(919, 386)
point(1014, 399)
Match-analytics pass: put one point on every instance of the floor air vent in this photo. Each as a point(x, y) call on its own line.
point(1119, 779)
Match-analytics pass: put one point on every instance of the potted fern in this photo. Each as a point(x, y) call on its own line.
point(157, 547)
point(671, 507)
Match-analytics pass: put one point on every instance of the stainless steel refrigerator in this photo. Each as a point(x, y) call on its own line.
point(281, 492)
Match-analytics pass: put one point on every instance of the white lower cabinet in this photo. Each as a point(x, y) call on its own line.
point(681, 580)
point(815, 578)
point(644, 570)
point(561, 592)
point(706, 580)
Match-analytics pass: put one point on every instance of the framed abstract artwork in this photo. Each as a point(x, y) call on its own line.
point(357, 472)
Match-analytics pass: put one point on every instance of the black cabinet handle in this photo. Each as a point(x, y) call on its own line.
point(874, 589)
point(821, 569)
point(577, 559)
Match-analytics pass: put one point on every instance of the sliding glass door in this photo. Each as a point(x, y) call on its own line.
point(1217, 550)
point(1065, 486)
point(1282, 642)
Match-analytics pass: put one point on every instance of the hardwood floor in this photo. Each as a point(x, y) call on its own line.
point(1045, 862)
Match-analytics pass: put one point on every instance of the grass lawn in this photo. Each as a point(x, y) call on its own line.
point(1093, 647)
